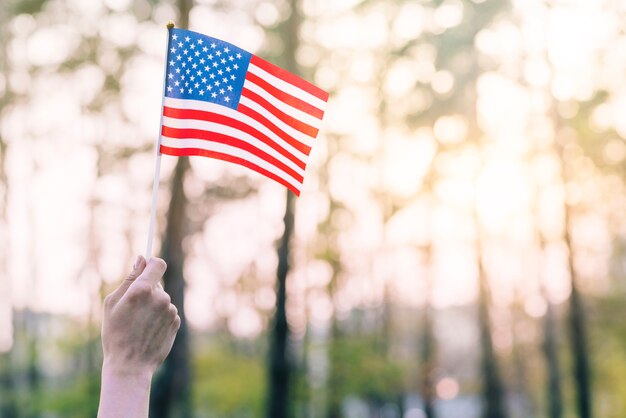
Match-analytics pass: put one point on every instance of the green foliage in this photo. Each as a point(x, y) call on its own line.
point(228, 383)
point(361, 370)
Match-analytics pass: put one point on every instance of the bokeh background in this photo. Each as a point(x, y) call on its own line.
point(458, 250)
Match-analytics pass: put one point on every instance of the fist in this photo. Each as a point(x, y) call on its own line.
point(140, 322)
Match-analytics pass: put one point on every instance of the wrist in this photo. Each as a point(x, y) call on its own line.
point(134, 373)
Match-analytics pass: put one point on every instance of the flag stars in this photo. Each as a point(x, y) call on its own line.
point(187, 39)
point(200, 41)
point(182, 90)
point(233, 77)
point(180, 44)
point(238, 55)
point(227, 99)
point(211, 76)
point(172, 50)
point(182, 77)
point(176, 83)
point(170, 76)
point(194, 65)
point(174, 37)
point(198, 73)
point(177, 70)
point(190, 91)
point(214, 95)
point(217, 83)
point(201, 92)
point(192, 78)
point(189, 59)
point(213, 45)
point(192, 46)
point(205, 49)
point(230, 58)
point(226, 50)
point(196, 85)
point(230, 88)
point(222, 91)
point(188, 71)
point(179, 57)
point(223, 61)
point(172, 62)
point(225, 80)
point(210, 56)
point(215, 64)
point(228, 70)
point(169, 89)
point(218, 53)
point(201, 61)
point(220, 72)
point(203, 80)
point(236, 67)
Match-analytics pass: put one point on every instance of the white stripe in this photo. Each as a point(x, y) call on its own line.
point(287, 87)
point(284, 107)
point(229, 150)
point(231, 113)
point(230, 131)
point(294, 133)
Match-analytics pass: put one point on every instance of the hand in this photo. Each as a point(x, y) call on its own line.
point(138, 330)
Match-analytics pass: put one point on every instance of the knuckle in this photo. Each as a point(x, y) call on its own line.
point(177, 323)
point(162, 300)
point(173, 310)
point(109, 301)
point(139, 292)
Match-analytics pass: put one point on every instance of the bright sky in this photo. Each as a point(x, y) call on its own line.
point(540, 53)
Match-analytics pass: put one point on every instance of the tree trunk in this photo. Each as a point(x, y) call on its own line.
point(428, 345)
point(171, 389)
point(576, 317)
point(578, 341)
point(279, 358)
point(280, 361)
point(493, 388)
point(427, 383)
point(550, 350)
point(172, 385)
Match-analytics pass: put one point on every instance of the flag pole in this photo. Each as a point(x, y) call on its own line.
point(157, 163)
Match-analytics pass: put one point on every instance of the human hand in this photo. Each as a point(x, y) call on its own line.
point(140, 322)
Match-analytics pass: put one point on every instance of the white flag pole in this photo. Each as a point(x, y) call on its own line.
point(157, 162)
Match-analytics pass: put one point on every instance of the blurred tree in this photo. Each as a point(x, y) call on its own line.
point(171, 388)
point(280, 359)
point(493, 387)
point(7, 396)
point(554, 390)
point(576, 321)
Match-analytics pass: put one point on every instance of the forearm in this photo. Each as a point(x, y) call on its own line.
point(123, 394)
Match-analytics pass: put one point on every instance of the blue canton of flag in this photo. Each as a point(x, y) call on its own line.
point(204, 68)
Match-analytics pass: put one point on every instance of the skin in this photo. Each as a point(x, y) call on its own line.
point(138, 330)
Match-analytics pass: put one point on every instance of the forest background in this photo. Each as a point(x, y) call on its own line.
point(458, 250)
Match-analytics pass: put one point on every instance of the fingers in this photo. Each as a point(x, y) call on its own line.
point(153, 272)
point(138, 268)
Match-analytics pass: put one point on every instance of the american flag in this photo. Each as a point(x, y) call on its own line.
point(226, 103)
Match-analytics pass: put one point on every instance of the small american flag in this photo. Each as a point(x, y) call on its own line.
point(225, 103)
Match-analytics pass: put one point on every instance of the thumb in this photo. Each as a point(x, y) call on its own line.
point(138, 268)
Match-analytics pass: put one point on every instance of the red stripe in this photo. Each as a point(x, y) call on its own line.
point(285, 97)
point(232, 141)
point(226, 157)
point(269, 125)
point(202, 115)
point(289, 120)
point(289, 78)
